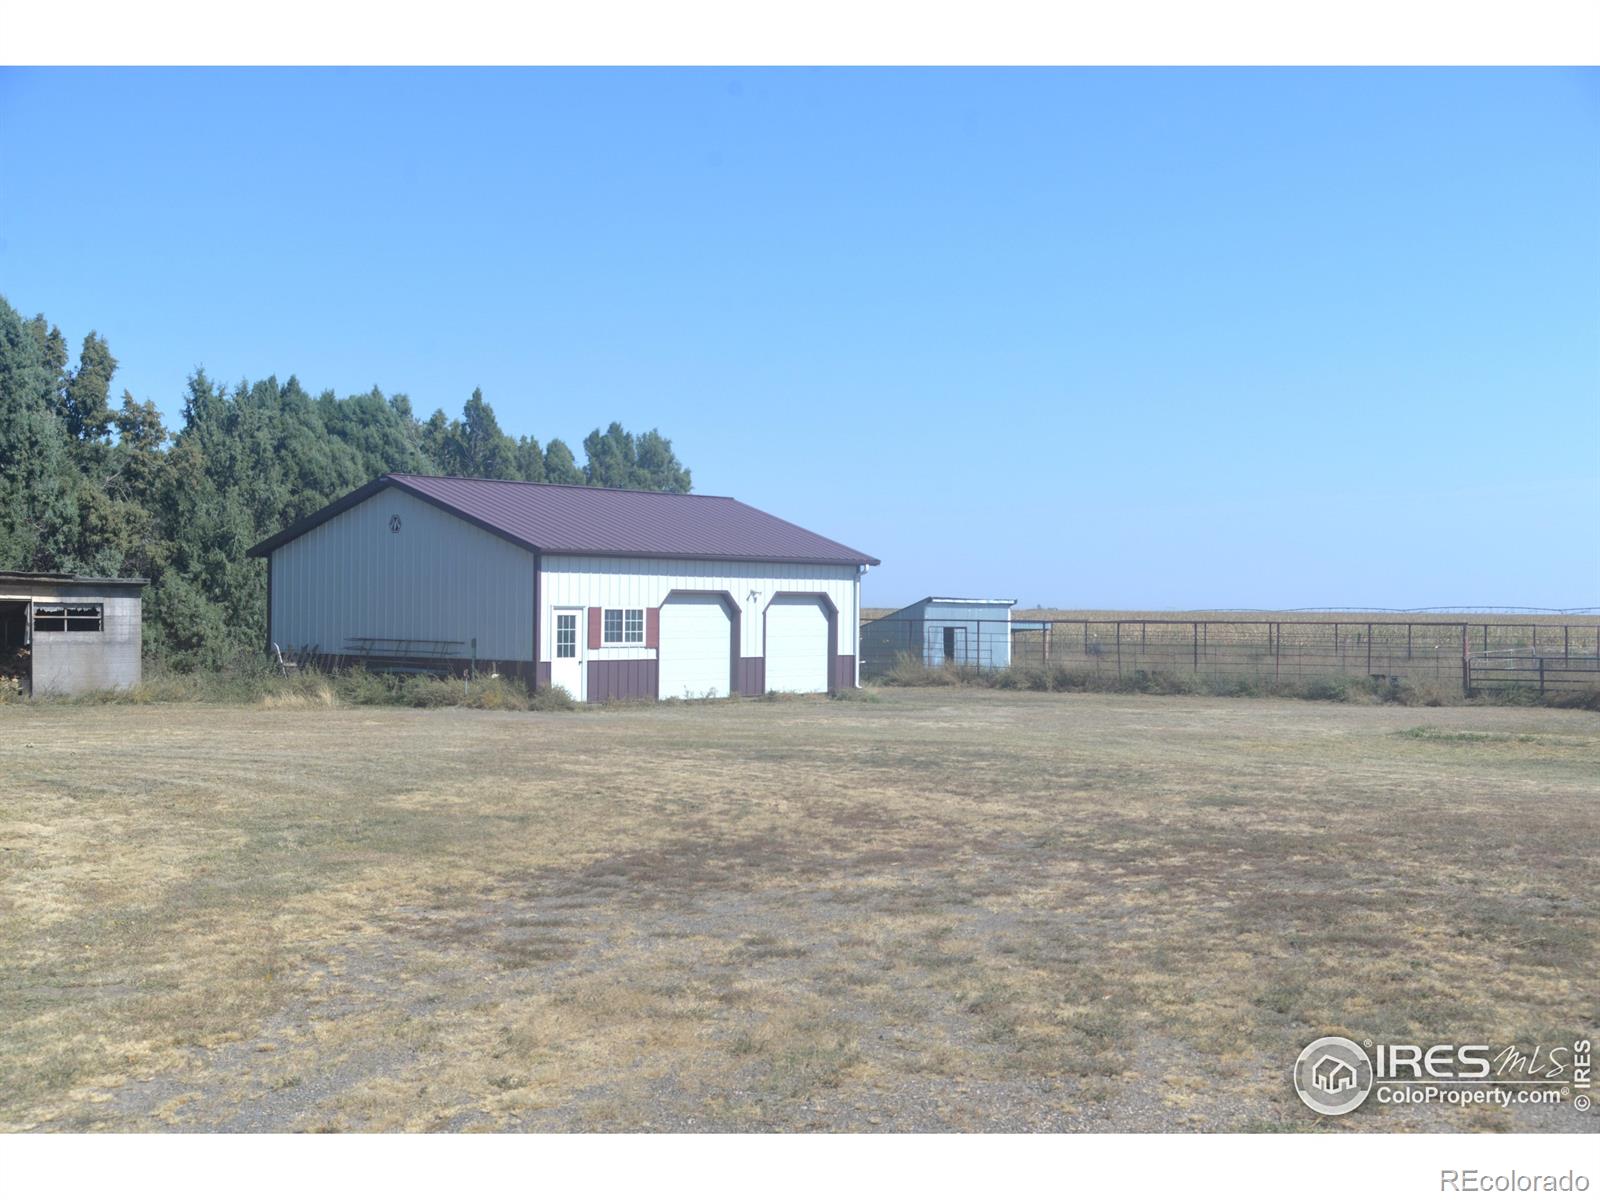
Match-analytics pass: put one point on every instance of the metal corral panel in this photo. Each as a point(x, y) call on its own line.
point(68, 663)
point(396, 566)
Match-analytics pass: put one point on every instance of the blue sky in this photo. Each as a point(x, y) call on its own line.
point(1087, 338)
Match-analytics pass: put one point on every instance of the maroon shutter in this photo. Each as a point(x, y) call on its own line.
point(652, 628)
point(594, 629)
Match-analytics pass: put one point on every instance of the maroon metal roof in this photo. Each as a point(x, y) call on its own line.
point(564, 519)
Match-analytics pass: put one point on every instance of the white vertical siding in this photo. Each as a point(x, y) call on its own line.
point(644, 583)
point(438, 577)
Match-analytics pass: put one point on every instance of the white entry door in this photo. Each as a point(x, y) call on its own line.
point(696, 655)
point(566, 652)
point(797, 645)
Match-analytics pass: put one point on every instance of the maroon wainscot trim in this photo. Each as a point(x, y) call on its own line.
point(752, 677)
point(622, 679)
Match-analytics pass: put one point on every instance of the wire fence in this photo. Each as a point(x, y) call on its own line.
point(1445, 653)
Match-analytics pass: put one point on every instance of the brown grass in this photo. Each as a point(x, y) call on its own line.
point(946, 910)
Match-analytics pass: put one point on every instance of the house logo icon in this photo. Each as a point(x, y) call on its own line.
point(1333, 1076)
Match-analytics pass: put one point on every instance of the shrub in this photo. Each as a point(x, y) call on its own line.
point(319, 695)
point(554, 698)
point(1588, 698)
point(498, 693)
point(1335, 688)
point(1162, 683)
point(1421, 694)
point(257, 682)
point(853, 694)
point(910, 671)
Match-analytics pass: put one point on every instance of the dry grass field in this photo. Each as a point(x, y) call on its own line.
point(945, 910)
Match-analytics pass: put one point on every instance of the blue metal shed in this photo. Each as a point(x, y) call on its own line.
point(939, 630)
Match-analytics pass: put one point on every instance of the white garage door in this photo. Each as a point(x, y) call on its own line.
point(696, 648)
point(797, 646)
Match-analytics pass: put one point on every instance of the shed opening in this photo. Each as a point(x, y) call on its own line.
point(15, 653)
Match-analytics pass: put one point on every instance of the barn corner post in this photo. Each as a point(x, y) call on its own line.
point(267, 648)
point(533, 667)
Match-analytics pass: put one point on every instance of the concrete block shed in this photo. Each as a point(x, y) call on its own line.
point(941, 629)
point(64, 634)
point(609, 593)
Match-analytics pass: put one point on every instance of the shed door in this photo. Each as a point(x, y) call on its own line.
point(696, 648)
point(797, 646)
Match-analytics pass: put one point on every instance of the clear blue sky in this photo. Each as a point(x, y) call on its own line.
point(1093, 337)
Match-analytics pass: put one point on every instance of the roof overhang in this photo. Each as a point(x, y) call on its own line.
point(56, 578)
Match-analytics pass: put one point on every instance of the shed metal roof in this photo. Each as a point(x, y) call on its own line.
point(566, 519)
point(59, 577)
point(952, 600)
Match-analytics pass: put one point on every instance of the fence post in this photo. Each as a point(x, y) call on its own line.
point(1337, 648)
point(1197, 647)
point(1369, 647)
point(1277, 652)
point(1566, 641)
point(1540, 660)
point(1119, 649)
point(1466, 661)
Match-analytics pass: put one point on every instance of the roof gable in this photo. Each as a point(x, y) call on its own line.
point(564, 519)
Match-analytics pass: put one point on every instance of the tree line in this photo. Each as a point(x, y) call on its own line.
point(91, 487)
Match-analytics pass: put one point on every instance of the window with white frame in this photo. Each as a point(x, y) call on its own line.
point(623, 626)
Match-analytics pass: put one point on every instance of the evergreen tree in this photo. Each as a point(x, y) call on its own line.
point(38, 509)
point(479, 447)
point(529, 460)
point(182, 508)
point(612, 458)
point(559, 465)
point(658, 468)
point(85, 397)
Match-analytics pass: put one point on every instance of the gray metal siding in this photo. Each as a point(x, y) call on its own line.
point(983, 634)
point(439, 577)
point(68, 663)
